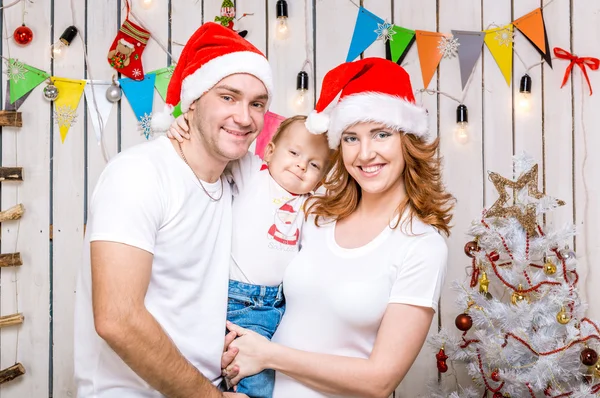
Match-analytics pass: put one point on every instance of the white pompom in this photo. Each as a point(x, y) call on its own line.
point(161, 121)
point(317, 123)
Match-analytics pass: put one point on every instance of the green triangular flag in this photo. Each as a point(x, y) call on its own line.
point(163, 77)
point(23, 78)
point(401, 42)
point(177, 110)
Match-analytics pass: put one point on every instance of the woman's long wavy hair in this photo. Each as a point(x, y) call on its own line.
point(426, 196)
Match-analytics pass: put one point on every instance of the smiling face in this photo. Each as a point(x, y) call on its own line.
point(230, 115)
point(372, 155)
point(298, 159)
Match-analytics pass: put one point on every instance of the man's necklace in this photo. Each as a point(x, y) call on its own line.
point(199, 180)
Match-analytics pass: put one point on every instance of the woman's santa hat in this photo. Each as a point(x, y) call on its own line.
point(211, 54)
point(372, 90)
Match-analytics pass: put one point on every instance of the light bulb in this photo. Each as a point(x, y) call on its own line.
point(58, 50)
point(282, 31)
point(146, 3)
point(60, 46)
point(461, 132)
point(524, 101)
point(300, 102)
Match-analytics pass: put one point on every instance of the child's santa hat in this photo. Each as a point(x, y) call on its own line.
point(211, 54)
point(373, 90)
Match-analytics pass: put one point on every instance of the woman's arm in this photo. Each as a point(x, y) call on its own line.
point(401, 335)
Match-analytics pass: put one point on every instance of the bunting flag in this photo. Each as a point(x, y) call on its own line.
point(98, 116)
point(17, 104)
point(534, 29)
point(140, 95)
point(365, 33)
point(500, 43)
point(400, 44)
point(163, 77)
point(272, 122)
point(430, 54)
point(65, 105)
point(23, 78)
point(468, 52)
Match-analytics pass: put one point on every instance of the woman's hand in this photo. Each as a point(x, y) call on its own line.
point(253, 351)
point(179, 129)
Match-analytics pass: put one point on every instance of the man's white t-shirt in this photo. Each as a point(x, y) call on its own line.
point(267, 224)
point(147, 197)
point(336, 297)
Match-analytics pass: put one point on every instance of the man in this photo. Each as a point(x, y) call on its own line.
point(152, 293)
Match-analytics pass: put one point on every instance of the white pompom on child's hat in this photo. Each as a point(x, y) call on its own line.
point(372, 90)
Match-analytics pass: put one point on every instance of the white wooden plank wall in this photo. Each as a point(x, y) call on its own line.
point(559, 131)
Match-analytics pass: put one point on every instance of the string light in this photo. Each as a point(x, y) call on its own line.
point(524, 100)
point(146, 3)
point(282, 30)
point(300, 101)
point(59, 48)
point(461, 132)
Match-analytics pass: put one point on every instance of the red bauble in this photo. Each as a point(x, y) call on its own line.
point(589, 357)
point(471, 247)
point(441, 361)
point(442, 367)
point(23, 35)
point(463, 322)
point(494, 256)
point(495, 375)
point(498, 395)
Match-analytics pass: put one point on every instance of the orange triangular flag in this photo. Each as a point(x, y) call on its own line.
point(533, 28)
point(430, 54)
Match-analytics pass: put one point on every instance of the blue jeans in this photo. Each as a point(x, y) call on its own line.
point(258, 308)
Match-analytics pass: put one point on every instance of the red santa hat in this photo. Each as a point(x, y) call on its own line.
point(372, 90)
point(211, 54)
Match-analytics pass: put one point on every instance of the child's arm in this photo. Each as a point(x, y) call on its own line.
point(179, 129)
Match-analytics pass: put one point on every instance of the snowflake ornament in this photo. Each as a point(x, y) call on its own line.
point(136, 73)
point(522, 162)
point(144, 125)
point(504, 37)
point(385, 32)
point(15, 70)
point(448, 46)
point(65, 116)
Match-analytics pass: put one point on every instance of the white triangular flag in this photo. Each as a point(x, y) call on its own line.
point(100, 109)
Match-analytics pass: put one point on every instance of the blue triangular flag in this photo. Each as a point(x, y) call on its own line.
point(364, 33)
point(140, 95)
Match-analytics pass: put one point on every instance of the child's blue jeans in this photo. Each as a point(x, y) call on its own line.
point(258, 308)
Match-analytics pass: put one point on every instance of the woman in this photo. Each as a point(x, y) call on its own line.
point(362, 292)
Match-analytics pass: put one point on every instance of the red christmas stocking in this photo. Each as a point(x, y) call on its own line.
point(125, 53)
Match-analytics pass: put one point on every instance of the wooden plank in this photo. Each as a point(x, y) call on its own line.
point(586, 16)
point(11, 373)
point(10, 320)
point(11, 174)
point(420, 15)
point(14, 213)
point(26, 289)
point(10, 260)
point(68, 207)
point(11, 118)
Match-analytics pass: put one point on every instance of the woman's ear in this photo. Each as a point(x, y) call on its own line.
point(269, 150)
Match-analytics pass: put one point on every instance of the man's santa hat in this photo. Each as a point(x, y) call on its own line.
point(372, 90)
point(211, 54)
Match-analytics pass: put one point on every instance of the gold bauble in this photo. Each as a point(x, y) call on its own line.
point(563, 317)
point(484, 282)
point(549, 268)
point(597, 369)
point(518, 295)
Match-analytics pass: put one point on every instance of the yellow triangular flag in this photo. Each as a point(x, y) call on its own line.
point(500, 43)
point(65, 105)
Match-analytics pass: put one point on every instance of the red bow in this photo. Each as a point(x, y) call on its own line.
point(593, 63)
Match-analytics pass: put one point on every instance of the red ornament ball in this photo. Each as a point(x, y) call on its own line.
point(23, 35)
point(494, 256)
point(442, 366)
point(589, 357)
point(498, 395)
point(495, 375)
point(463, 322)
point(471, 247)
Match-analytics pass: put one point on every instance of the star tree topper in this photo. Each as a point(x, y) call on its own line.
point(526, 217)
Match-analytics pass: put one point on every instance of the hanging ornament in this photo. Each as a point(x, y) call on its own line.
point(549, 268)
point(441, 361)
point(470, 248)
point(563, 317)
point(463, 322)
point(50, 92)
point(498, 395)
point(23, 35)
point(518, 296)
point(597, 369)
point(484, 283)
point(589, 357)
point(495, 375)
point(113, 92)
point(567, 254)
point(448, 47)
point(494, 256)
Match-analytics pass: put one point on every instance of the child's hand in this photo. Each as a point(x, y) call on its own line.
point(179, 129)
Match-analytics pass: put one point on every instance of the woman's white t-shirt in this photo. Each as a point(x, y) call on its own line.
point(336, 297)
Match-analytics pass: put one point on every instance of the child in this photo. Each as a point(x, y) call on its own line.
point(267, 220)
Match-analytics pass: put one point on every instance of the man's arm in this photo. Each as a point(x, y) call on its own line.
point(120, 278)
